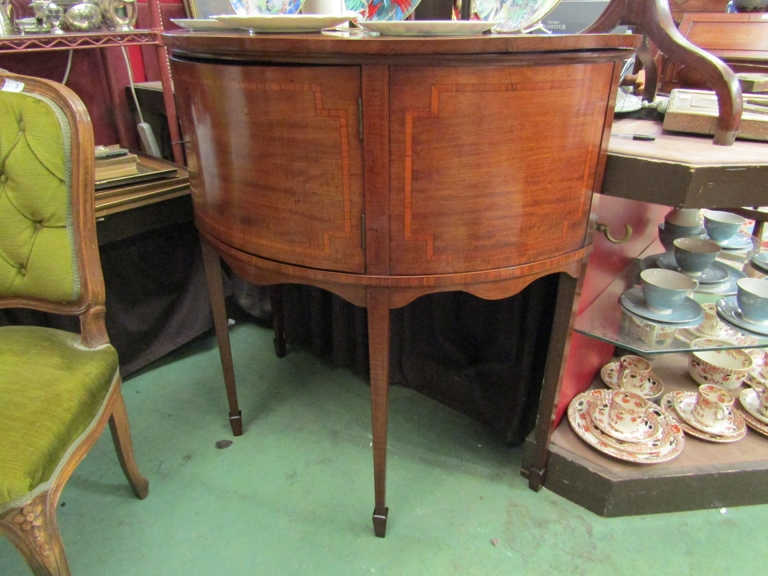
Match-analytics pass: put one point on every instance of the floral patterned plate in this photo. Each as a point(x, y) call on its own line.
point(610, 376)
point(262, 7)
point(684, 404)
point(671, 440)
point(514, 15)
point(752, 422)
point(382, 9)
point(428, 27)
point(646, 430)
point(750, 401)
point(667, 404)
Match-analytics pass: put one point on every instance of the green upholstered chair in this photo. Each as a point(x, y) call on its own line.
point(58, 389)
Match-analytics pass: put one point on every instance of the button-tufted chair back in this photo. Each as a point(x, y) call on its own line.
point(48, 250)
point(37, 247)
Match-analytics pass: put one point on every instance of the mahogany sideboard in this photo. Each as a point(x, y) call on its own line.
point(384, 168)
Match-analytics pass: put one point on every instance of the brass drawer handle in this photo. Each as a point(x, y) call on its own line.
point(627, 233)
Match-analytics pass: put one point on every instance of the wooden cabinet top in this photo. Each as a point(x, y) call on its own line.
point(241, 45)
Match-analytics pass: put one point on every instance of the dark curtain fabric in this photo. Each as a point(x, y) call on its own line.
point(484, 358)
point(157, 298)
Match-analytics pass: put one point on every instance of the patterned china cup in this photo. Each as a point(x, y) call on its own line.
point(634, 373)
point(711, 325)
point(713, 405)
point(665, 290)
point(752, 298)
point(721, 226)
point(718, 365)
point(694, 255)
point(627, 411)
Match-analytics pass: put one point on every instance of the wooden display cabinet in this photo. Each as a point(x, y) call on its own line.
point(643, 180)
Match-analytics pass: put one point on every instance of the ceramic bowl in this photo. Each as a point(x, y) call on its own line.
point(724, 368)
point(694, 255)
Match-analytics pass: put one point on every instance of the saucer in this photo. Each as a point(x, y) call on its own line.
point(726, 288)
point(688, 311)
point(670, 441)
point(667, 404)
point(751, 404)
point(760, 261)
point(728, 309)
point(740, 241)
point(715, 274)
point(610, 375)
point(648, 429)
point(684, 403)
point(725, 333)
point(752, 422)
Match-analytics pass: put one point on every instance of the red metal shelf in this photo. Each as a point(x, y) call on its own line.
point(75, 41)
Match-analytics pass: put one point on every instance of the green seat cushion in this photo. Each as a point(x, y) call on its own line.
point(51, 389)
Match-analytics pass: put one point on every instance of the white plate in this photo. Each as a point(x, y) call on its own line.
point(671, 440)
point(284, 22)
point(428, 27)
point(201, 24)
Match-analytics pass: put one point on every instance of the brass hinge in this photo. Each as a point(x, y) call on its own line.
point(360, 117)
point(362, 231)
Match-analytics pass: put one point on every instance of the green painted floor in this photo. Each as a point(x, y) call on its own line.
point(294, 495)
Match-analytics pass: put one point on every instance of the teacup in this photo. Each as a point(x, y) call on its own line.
point(711, 362)
point(634, 373)
point(665, 290)
point(762, 398)
point(711, 325)
point(670, 232)
point(752, 299)
point(626, 411)
point(713, 405)
point(721, 226)
point(694, 255)
point(684, 217)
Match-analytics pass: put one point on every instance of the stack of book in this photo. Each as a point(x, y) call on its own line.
point(115, 162)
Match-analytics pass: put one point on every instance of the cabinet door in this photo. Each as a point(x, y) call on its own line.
point(492, 166)
point(275, 161)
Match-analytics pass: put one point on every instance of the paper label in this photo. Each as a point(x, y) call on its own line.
point(12, 86)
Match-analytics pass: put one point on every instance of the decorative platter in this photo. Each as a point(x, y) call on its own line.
point(667, 404)
point(382, 10)
point(284, 23)
point(265, 7)
point(514, 15)
point(427, 27)
point(670, 442)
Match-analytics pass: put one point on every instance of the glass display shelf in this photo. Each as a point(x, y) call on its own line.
point(77, 40)
point(605, 319)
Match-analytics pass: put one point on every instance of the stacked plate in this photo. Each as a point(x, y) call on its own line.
point(678, 406)
point(749, 408)
point(728, 310)
point(656, 438)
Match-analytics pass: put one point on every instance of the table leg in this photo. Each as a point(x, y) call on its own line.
point(562, 328)
point(378, 347)
point(212, 265)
